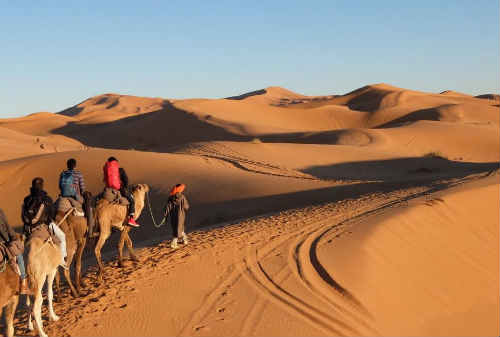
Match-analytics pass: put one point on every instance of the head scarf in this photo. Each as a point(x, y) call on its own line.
point(177, 189)
point(37, 186)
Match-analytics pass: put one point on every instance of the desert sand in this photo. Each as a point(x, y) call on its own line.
point(368, 213)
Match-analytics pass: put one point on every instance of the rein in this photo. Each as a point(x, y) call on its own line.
point(151, 213)
point(65, 216)
point(49, 240)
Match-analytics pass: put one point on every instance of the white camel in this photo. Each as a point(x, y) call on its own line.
point(43, 258)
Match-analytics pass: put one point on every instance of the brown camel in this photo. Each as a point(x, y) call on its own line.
point(75, 229)
point(113, 215)
point(43, 259)
point(9, 295)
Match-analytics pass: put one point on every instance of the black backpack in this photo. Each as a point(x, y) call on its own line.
point(31, 206)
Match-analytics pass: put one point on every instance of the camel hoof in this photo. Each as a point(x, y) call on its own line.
point(55, 318)
point(30, 326)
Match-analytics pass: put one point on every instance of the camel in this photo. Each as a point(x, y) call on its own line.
point(75, 229)
point(111, 215)
point(9, 295)
point(43, 259)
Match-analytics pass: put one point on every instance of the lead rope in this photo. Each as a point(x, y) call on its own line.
point(151, 213)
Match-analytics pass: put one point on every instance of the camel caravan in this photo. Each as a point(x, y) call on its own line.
point(55, 235)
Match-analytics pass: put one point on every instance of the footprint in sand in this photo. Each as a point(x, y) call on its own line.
point(200, 327)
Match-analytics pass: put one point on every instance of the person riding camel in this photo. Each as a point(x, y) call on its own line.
point(116, 178)
point(38, 210)
point(14, 244)
point(176, 208)
point(72, 185)
point(71, 182)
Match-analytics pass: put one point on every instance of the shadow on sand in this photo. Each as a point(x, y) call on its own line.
point(156, 131)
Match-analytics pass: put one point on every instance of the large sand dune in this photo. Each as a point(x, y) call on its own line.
point(371, 212)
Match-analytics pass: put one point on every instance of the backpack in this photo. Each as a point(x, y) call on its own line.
point(66, 184)
point(30, 209)
point(112, 173)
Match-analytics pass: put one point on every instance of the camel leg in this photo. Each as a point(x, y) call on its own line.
point(10, 310)
point(128, 242)
point(78, 264)
point(67, 274)
point(37, 306)
point(58, 286)
point(50, 296)
point(97, 250)
point(30, 310)
point(120, 247)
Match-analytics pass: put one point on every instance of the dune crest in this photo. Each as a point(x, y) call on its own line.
point(454, 93)
point(493, 97)
point(110, 104)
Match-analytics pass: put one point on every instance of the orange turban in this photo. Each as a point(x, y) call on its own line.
point(177, 189)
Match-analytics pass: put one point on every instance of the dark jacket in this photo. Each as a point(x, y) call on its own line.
point(176, 208)
point(32, 204)
point(7, 234)
point(123, 177)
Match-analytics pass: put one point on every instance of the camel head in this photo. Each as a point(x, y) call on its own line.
point(140, 189)
point(139, 192)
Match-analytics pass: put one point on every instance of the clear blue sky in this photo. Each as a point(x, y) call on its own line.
point(55, 54)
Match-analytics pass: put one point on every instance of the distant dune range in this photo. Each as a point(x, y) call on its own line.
point(305, 164)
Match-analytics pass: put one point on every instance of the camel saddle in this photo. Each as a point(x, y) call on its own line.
point(114, 197)
point(5, 252)
point(42, 232)
point(6, 256)
point(64, 204)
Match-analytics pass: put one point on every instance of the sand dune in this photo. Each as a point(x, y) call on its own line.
point(454, 93)
point(113, 104)
point(492, 97)
point(308, 272)
point(102, 121)
point(212, 183)
point(438, 257)
point(353, 214)
point(270, 95)
point(14, 144)
point(37, 124)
